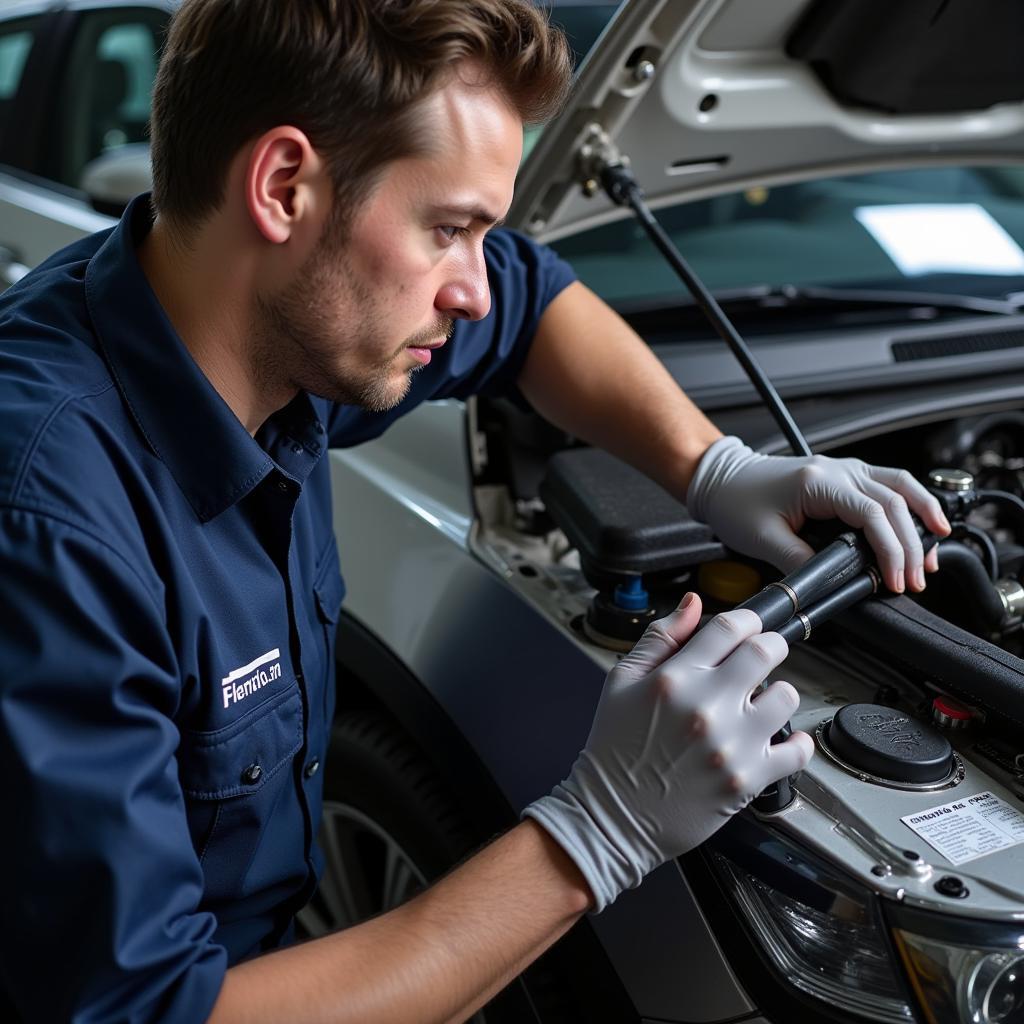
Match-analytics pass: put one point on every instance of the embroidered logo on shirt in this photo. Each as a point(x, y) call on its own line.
point(258, 673)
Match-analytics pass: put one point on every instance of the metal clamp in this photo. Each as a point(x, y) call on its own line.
point(789, 592)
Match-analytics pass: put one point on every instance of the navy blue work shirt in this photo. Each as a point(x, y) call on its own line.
point(169, 588)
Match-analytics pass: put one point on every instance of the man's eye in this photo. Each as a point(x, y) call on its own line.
point(451, 231)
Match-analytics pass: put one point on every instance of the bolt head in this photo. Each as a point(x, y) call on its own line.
point(644, 71)
point(950, 885)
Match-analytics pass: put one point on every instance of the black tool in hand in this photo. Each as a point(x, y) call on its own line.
point(836, 578)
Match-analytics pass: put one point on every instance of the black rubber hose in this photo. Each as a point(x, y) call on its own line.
point(960, 562)
point(969, 432)
point(984, 541)
point(1009, 502)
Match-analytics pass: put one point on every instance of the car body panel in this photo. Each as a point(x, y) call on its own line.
point(772, 122)
point(521, 695)
point(35, 223)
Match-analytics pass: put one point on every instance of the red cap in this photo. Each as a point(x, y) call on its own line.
point(952, 709)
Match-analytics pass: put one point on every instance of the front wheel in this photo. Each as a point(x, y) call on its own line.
point(390, 826)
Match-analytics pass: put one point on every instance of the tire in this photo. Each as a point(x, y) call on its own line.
point(390, 827)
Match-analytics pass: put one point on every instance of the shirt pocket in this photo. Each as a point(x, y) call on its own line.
point(329, 592)
point(233, 779)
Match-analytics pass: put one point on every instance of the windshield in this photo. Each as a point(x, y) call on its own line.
point(940, 229)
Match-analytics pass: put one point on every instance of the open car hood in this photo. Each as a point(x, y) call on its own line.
point(711, 96)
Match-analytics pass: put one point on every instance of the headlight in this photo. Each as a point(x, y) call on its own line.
point(837, 942)
point(832, 948)
point(978, 979)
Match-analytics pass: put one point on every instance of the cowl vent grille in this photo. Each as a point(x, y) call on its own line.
point(956, 345)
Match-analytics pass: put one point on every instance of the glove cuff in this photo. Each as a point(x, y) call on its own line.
point(565, 819)
point(715, 467)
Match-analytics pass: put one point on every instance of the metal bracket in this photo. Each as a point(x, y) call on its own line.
point(597, 151)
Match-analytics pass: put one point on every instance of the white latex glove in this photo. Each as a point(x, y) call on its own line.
point(678, 745)
point(756, 503)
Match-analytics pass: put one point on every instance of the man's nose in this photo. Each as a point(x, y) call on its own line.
point(466, 295)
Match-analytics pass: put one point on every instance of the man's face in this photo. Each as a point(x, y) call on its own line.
point(360, 318)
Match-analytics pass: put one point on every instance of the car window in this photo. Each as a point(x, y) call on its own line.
point(105, 95)
point(16, 40)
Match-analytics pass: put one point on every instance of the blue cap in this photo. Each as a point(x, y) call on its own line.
point(631, 596)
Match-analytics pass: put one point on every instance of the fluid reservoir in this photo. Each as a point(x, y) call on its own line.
point(889, 745)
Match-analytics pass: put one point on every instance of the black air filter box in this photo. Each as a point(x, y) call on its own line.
point(622, 523)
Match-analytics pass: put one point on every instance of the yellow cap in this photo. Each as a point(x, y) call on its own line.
point(728, 582)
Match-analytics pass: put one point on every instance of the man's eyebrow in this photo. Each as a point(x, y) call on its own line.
point(472, 211)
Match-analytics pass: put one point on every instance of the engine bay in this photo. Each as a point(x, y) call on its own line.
point(946, 664)
point(913, 802)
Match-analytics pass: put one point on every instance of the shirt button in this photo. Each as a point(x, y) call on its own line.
point(282, 485)
point(252, 774)
point(312, 768)
point(297, 449)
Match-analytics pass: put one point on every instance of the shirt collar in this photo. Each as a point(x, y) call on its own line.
point(212, 457)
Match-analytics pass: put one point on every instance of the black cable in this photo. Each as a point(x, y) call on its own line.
point(622, 188)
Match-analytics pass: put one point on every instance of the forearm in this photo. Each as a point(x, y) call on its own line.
point(591, 375)
point(437, 958)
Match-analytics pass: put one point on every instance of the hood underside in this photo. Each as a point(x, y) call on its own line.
point(712, 96)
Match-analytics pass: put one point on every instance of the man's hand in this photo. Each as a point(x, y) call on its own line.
point(680, 743)
point(756, 503)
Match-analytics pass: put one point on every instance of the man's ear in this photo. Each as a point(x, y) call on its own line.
point(281, 176)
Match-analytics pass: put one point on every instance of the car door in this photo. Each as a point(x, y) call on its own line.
point(82, 78)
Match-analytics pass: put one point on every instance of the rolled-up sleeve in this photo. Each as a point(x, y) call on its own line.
point(483, 357)
point(100, 881)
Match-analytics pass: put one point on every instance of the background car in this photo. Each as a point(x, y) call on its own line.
point(849, 182)
point(75, 83)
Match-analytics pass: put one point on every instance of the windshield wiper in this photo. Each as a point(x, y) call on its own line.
point(811, 295)
point(816, 297)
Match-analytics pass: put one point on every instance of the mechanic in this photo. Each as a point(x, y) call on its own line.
point(326, 178)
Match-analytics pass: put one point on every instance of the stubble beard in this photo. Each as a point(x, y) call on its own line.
point(299, 345)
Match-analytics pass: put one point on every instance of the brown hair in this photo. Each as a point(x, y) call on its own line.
point(349, 73)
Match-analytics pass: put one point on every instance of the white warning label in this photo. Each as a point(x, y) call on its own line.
point(970, 828)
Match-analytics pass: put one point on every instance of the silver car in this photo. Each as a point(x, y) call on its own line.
point(846, 177)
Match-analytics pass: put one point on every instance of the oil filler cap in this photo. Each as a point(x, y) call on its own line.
point(888, 744)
